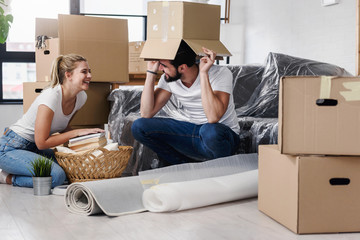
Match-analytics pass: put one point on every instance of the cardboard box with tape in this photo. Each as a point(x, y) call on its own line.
point(169, 23)
point(106, 49)
point(319, 115)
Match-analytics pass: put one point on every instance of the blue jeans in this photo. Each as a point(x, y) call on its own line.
point(179, 142)
point(16, 153)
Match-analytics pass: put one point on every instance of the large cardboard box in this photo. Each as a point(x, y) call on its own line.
point(95, 111)
point(102, 41)
point(309, 194)
point(168, 23)
point(319, 115)
point(137, 65)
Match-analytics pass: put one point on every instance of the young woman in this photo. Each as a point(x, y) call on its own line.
point(32, 135)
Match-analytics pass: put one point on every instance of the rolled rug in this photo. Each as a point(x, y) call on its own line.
point(114, 197)
point(178, 196)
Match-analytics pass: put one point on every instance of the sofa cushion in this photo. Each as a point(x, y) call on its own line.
point(264, 100)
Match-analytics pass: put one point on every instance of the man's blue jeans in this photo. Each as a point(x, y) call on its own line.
point(16, 153)
point(180, 142)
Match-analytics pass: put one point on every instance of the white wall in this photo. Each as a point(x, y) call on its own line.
point(9, 115)
point(299, 28)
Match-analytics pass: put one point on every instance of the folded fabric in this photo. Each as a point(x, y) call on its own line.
point(199, 193)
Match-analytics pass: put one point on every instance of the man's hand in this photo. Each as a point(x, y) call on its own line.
point(153, 66)
point(207, 61)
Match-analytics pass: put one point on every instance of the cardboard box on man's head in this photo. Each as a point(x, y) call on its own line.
point(168, 23)
point(102, 41)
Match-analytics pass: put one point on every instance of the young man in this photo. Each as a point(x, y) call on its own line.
point(205, 93)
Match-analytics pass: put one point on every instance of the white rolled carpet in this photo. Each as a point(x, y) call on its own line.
point(199, 193)
point(114, 197)
point(173, 188)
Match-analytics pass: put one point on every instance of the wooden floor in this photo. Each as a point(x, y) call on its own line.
point(28, 217)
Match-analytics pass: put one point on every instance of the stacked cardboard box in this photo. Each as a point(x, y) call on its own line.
point(169, 23)
point(106, 50)
point(137, 65)
point(309, 181)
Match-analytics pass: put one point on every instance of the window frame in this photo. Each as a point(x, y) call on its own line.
point(22, 57)
point(12, 57)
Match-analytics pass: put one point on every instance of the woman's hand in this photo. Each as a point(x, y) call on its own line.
point(86, 131)
point(207, 61)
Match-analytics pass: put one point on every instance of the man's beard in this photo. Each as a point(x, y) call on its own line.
point(173, 79)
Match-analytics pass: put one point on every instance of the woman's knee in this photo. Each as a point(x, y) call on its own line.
point(58, 176)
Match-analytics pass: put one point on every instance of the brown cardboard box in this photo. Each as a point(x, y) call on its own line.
point(136, 64)
point(309, 194)
point(30, 91)
point(308, 128)
point(94, 112)
point(168, 23)
point(102, 41)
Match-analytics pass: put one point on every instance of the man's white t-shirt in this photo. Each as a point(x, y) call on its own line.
point(221, 79)
point(52, 98)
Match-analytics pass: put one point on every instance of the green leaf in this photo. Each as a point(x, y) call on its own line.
point(41, 167)
point(9, 18)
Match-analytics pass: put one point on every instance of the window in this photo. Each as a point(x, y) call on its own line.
point(134, 11)
point(17, 56)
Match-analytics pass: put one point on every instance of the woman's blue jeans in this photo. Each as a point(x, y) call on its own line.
point(179, 142)
point(16, 154)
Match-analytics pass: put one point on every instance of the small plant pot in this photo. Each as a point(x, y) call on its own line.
point(42, 185)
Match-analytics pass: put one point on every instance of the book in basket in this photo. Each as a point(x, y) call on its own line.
point(90, 138)
point(101, 142)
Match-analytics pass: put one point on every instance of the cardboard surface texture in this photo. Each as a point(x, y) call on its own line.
point(170, 22)
point(94, 112)
point(136, 64)
point(102, 41)
point(309, 194)
point(308, 127)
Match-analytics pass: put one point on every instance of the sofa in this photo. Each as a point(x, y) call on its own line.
point(256, 96)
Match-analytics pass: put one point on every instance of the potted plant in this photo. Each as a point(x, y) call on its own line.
point(5, 22)
point(41, 170)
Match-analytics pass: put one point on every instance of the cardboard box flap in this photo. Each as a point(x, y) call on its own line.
point(47, 27)
point(215, 45)
point(77, 35)
point(157, 49)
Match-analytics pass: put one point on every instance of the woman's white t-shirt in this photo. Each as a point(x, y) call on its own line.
point(221, 79)
point(52, 98)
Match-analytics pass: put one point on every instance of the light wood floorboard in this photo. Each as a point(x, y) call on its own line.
point(24, 216)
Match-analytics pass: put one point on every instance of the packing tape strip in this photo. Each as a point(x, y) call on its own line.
point(325, 87)
point(354, 91)
point(165, 21)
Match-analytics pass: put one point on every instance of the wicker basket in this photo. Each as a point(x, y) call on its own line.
point(88, 167)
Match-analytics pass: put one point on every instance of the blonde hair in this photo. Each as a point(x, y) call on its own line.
point(63, 64)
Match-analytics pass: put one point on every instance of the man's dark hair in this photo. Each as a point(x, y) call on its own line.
point(184, 55)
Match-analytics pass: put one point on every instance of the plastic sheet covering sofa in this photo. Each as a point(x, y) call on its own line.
point(255, 89)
